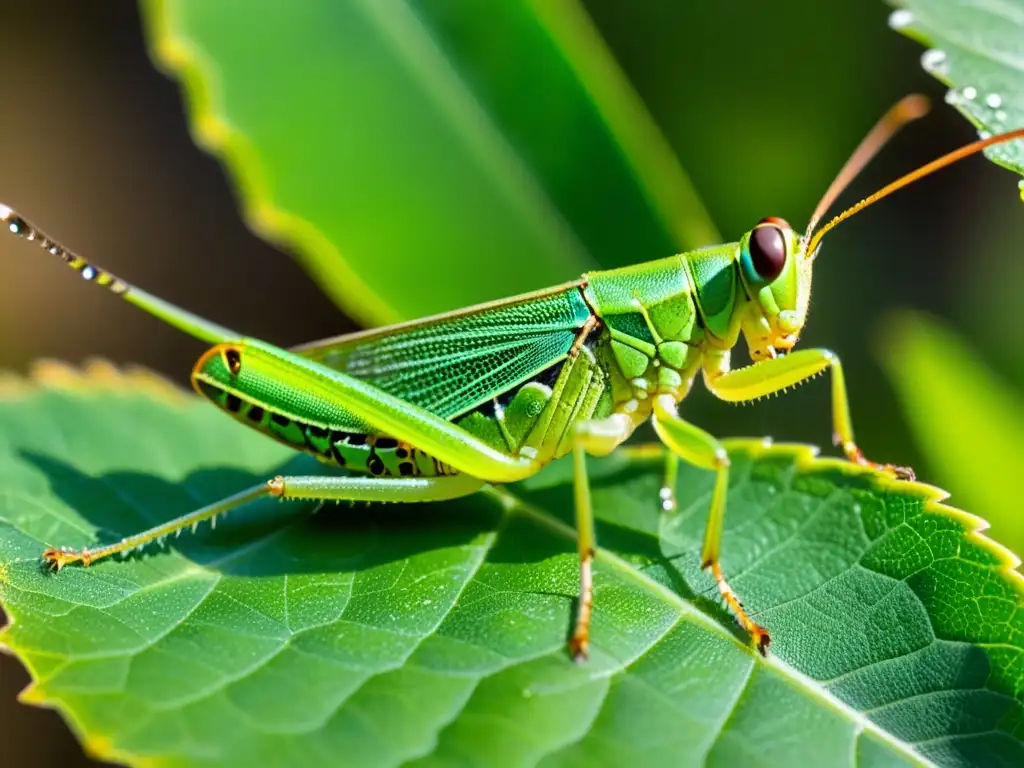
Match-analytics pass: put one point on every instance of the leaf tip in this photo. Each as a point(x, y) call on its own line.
point(32, 694)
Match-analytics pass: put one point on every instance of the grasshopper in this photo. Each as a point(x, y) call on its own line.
point(436, 408)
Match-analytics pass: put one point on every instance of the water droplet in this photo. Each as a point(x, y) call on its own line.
point(969, 92)
point(901, 18)
point(934, 61)
point(1000, 116)
point(952, 97)
point(994, 100)
point(984, 134)
point(89, 274)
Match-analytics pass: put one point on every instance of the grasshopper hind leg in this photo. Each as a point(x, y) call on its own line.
point(317, 487)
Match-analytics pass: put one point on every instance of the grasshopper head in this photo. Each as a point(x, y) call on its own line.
point(777, 277)
point(776, 262)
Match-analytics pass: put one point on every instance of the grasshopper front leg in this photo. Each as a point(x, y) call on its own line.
point(770, 376)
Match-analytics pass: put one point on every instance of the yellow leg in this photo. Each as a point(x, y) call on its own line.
point(771, 376)
point(322, 487)
point(600, 438)
point(694, 445)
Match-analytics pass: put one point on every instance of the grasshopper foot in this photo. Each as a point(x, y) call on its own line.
point(579, 646)
point(56, 559)
point(856, 455)
point(758, 634)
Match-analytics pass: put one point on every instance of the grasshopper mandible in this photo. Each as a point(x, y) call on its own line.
point(436, 408)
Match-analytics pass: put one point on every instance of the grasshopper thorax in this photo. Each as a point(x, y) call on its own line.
point(776, 275)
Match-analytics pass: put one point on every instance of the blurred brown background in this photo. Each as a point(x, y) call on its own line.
point(762, 107)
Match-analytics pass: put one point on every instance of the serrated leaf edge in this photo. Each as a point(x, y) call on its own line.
point(913, 32)
point(98, 374)
point(212, 131)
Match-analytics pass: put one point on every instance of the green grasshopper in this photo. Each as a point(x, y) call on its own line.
point(436, 408)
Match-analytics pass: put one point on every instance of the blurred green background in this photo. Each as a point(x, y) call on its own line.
point(761, 106)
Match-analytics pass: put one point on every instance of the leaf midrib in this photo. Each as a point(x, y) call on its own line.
point(509, 505)
point(686, 610)
point(400, 24)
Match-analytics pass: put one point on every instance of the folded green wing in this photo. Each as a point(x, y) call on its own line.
point(449, 364)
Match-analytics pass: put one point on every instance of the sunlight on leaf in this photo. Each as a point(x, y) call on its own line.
point(969, 425)
point(976, 48)
point(437, 632)
point(397, 148)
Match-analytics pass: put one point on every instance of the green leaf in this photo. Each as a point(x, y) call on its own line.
point(967, 422)
point(977, 48)
point(436, 634)
point(401, 145)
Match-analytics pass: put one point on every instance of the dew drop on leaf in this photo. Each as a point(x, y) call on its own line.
point(969, 92)
point(934, 60)
point(994, 100)
point(901, 18)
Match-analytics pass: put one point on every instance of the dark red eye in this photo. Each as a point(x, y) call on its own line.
point(768, 250)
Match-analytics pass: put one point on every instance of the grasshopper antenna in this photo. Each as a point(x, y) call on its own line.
point(179, 318)
point(910, 178)
point(906, 110)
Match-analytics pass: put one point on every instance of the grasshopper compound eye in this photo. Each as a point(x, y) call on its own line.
point(768, 248)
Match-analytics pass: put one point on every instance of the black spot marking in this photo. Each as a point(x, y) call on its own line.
point(375, 466)
point(233, 403)
point(356, 439)
point(208, 389)
point(387, 443)
point(337, 455)
point(282, 421)
point(406, 468)
point(255, 414)
point(316, 431)
point(488, 409)
point(401, 452)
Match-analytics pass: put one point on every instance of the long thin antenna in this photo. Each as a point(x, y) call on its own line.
point(182, 319)
point(910, 178)
point(906, 110)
